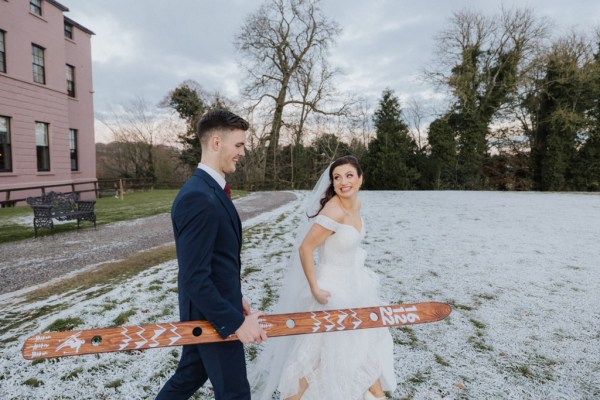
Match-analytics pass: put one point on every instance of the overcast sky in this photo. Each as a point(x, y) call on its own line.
point(146, 48)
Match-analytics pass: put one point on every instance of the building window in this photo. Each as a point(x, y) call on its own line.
point(39, 72)
point(71, 80)
point(5, 151)
point(2, 53)
point(68, 30)
point(73, 149)
point(43, 146)
point(35, 6)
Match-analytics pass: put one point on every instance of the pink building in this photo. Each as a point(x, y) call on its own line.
point(46, 102)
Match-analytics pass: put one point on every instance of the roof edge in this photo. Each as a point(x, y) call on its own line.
point(58, 5)
point(78, 25)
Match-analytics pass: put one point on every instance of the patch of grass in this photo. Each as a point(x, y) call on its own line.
point(524, 370)
point(477, 324)
point(409, 338)
point(108, 306)
point(63, 324)
point(440, 360)
point(269, 297)
point(98, 368)
point(107, 273)
point(457, 306)
point(123, 318)
point(167, 310)
point(9, 340)
point(18, 319)
point(485, 296)
point(419, 377)
point(154, 288)
point(114, 384)
point(33, 382)
point(161, 298)
point(251, 351)
point(72, 375)
point(248, 271)
point(479, 343)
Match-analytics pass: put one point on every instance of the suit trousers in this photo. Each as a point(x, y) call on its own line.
point(223, 363)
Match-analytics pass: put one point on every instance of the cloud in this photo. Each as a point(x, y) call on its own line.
point(119, 45)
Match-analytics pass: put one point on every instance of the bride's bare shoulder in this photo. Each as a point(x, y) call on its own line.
point(333, 210)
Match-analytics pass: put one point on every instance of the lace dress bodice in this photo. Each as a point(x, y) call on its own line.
point(341, 248)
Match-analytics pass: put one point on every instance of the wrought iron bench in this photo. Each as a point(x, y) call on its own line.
point(62, 207)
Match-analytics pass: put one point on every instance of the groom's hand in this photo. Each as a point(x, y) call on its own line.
point(251, 331)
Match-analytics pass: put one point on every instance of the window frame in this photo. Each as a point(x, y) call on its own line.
point(39, 70)
point(69, 32)
point(3, 66)
point(35, 7)
point(6, 148)
point(74, 149)
point(71, 82)
point(42, 149)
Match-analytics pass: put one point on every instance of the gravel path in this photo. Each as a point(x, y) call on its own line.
point(35, 261)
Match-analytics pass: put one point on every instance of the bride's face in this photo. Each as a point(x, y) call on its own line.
point(346, 181)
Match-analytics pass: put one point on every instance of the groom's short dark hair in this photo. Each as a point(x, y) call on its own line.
point(219, 119)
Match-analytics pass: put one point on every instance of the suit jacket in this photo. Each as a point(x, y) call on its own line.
point(208, 239)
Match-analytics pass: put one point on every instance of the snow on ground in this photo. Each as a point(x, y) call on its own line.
point(519, 269)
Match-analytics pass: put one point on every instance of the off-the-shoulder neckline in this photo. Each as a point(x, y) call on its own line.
point(362, 224)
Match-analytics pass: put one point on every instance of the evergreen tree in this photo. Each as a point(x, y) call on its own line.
point(586, 168)
point(190, 102)
point(443, 157)
point(390, 159)
point(562, 121)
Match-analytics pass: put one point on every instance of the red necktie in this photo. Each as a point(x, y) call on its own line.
point(227, 190)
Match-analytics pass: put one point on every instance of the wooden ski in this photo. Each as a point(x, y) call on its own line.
point(104, 340)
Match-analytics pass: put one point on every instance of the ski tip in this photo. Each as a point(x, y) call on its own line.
point(445, 309)
point(440, 310)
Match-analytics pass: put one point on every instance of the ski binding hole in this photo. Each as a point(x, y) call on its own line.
point(96, 340)
point(373, 317)
point(290, 323)
point(197, 331)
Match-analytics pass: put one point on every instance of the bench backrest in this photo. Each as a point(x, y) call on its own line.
point(58, 201)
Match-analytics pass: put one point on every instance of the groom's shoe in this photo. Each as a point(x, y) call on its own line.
point(369, 396)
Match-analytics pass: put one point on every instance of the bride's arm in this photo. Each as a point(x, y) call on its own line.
point(313, 239)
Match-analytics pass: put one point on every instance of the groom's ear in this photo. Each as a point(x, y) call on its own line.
point(214, 142)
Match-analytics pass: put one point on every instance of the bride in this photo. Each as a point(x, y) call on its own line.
point(349, 365)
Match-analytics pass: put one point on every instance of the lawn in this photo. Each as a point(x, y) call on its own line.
point(16, 223)
point(519, 269)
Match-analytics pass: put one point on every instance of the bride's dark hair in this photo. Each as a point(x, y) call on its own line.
point(330, 192)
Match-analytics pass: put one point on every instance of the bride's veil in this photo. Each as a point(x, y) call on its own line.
point(264, 374)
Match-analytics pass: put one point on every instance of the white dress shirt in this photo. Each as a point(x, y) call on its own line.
point(214, 174)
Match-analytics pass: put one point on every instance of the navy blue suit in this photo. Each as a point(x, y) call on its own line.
point(208, 239)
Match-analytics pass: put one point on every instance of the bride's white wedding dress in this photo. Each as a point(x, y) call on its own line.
point(339, 365)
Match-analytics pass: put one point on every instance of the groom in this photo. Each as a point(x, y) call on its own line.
point(208, 239)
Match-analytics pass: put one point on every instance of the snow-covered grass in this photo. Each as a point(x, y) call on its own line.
point(521, 271)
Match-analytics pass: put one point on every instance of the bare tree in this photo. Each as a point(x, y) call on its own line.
point(284, 46)
point(138, 129)
point(415, 115)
